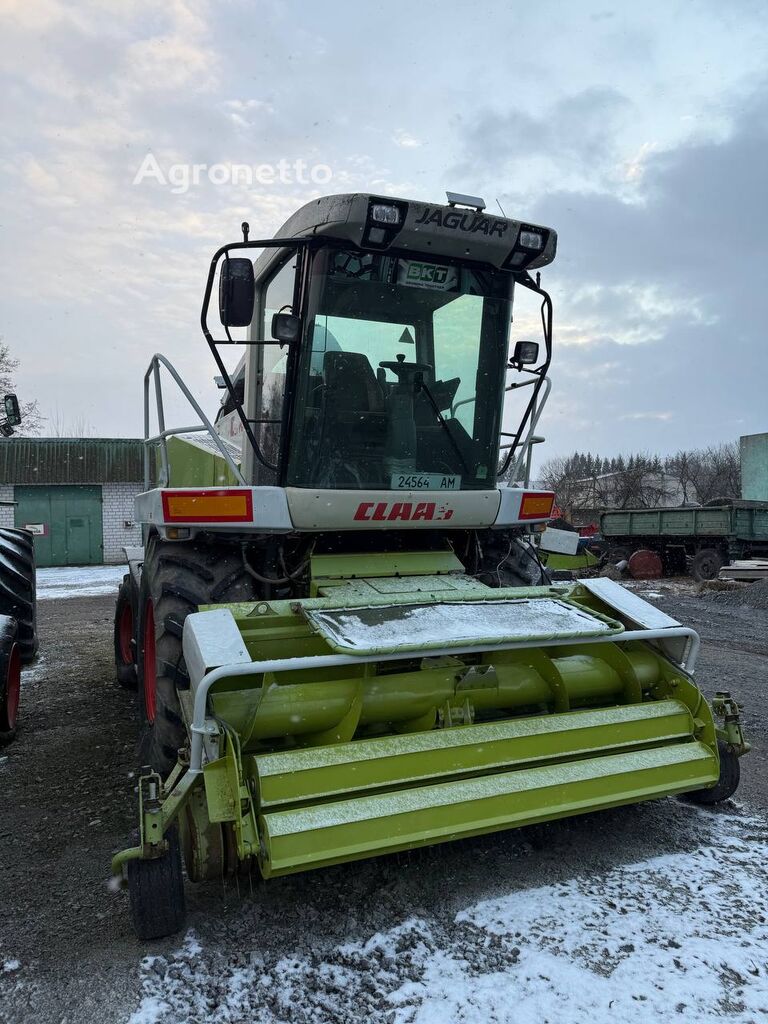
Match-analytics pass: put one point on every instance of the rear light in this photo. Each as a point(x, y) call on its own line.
point(208, 506)
point(537, 505)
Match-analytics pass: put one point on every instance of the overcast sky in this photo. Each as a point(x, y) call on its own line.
point(638, 131)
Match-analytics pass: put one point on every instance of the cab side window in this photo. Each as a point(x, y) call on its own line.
point(269, 410)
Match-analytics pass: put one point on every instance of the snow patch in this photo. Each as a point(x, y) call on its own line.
point(681, 937)
point(79, 581)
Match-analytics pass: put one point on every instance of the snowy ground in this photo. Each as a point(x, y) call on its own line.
point(79, 581)
point(651, 913)
point(681, 937)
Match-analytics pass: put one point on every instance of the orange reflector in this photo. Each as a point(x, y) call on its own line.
point(210, 506)
point(537, 505)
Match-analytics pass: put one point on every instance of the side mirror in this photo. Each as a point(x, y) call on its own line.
point(12, 411)
point(285, 327)
point(525, 353)
point(237, 292)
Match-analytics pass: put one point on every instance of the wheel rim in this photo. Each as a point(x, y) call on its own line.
point(150, 665)
point(13, 687)
point(125, 635)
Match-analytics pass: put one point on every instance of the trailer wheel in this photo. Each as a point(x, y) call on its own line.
point(727, 783)
point(177, 577)
point(706, 564)
point(125, 633)
point(619, 553)
point(17, 587)
point(156, 892)
point(10, 678)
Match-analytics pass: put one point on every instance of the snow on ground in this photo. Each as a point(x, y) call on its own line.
point(79, 581)
point(681, 937)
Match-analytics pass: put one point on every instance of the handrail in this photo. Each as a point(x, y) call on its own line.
point(534, 419)
point(251, 668)
point(153, 370)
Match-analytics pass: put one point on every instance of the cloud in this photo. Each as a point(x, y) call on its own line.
point(661, 416)
point(405, 140)
point(575, 133)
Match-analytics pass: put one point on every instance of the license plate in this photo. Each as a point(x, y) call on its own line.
point(424, 482)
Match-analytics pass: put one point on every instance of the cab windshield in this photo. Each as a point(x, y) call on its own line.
point(401, 374)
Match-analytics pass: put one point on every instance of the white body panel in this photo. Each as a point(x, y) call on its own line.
point(283, 510)
point(562, 542)
point(270, 511)
point(388, 510)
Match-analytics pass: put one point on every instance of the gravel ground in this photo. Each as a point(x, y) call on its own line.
point(653, 912)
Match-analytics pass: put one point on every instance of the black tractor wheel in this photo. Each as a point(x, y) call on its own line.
point(125, 633)
point(706, 564)
point(17, 587)
point(519, 567)
point(10, 678)
point(618, 553)
point(727, 783)
point(176, 579)
point(156, 892)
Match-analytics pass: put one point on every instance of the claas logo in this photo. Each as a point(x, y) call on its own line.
point(400, 511)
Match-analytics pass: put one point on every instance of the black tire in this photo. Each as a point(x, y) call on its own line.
point(706, 564)
point(17, 586)
point(10, 678)
point(726, 785)
point(176, 579)
point(126, 611)
point(675, 561)
point(515, 566)
point(619, 553)
point(156, 892)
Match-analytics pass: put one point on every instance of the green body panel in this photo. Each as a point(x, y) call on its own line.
point(555, 560)
point(72, 519)
point(193, 463)
point(331, 833)
point(739, 522)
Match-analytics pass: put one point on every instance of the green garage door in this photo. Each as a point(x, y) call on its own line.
point(66, 522)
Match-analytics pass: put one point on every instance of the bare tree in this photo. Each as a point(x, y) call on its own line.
point(78, 426)
point(31, 420)
point(585, 484)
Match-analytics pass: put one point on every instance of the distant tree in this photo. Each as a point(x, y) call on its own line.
point(78, 426)
point(31, 420)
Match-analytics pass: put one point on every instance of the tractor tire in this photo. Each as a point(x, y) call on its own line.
point(706, 564)
point(726, 785)
point(522, 568)
point(17, 587)
point(126, 612)
point(176, 579)
point(10, 678)
point(156, 892)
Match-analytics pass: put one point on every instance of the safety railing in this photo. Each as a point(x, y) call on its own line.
point(525, 452)
point(161, 437)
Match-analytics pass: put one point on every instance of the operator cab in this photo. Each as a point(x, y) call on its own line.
point(379, 344)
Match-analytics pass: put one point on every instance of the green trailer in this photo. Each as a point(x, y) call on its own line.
point(699, 540)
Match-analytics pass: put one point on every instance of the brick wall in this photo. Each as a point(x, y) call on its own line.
point(6, 511)
point(117, 509)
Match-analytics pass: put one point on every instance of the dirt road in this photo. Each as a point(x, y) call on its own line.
point(656, 912)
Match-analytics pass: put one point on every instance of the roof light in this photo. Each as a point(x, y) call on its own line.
point(531, 240)
point(383, 213)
